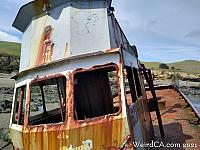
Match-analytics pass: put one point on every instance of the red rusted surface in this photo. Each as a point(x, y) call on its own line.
point(176, 120)
point(46, 46)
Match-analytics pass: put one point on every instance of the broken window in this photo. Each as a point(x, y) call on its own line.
point(132, 84)
point(48, 101)
point(19, 106)
point(96, 93)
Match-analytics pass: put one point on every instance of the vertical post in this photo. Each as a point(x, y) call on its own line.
point(61, 104)
point(43, 99)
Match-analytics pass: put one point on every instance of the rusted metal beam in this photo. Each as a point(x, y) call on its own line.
point(149, 79)
point(61, 104)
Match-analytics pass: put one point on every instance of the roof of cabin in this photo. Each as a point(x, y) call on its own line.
point(37, 7)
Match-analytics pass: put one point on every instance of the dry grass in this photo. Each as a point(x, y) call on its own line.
point(188, 66)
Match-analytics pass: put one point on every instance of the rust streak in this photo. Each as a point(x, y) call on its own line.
point(46, 47)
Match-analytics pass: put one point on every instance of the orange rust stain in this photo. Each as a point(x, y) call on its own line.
point(37, 6)
point(111, 50)
point(46, 46)
point(102, 135)
point(47, 4)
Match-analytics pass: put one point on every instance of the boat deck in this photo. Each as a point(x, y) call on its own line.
point(179, 121)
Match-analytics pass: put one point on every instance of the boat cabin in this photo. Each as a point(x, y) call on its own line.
point(80, 85)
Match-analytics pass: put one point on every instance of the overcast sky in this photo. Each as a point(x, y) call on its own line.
point(163, 30)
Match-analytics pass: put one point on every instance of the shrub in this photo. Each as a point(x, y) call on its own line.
point(163, 66)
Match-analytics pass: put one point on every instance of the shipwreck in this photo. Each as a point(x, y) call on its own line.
point(81, 84)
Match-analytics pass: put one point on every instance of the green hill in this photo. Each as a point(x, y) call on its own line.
point(9, 56)
point(189, 66)
point(10, 49)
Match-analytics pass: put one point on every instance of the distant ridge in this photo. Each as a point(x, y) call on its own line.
point(10, 49)
point(189, 66)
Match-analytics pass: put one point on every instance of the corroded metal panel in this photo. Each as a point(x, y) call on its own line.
point(137, 126)
point(75, 28)
point(107, 134)
point(89, 27)
point(39, 47)
point(65, 31)
point(38, 7)
point(17, 136)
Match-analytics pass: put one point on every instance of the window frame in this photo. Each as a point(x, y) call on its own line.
point(95, 119)
point(14, 107)
point(39, 79)
point(134, 94)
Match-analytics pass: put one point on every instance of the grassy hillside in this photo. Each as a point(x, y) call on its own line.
point(9, 56)
point(189, 66)
point(10, 49)
point(151, 65)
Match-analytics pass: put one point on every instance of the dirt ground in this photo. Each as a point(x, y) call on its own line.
point(178, 121)
point(5, 80)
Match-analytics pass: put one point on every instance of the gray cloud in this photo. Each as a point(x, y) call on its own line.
point(170, 18)
point(167, 30)
point(193, 34)
point(163, 30)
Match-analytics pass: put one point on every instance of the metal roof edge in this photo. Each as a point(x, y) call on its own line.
point(109, 51)
point(21, 23)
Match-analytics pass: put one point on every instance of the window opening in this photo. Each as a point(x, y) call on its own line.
point(96, 93)
point(19, 106)
point(48, 101)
